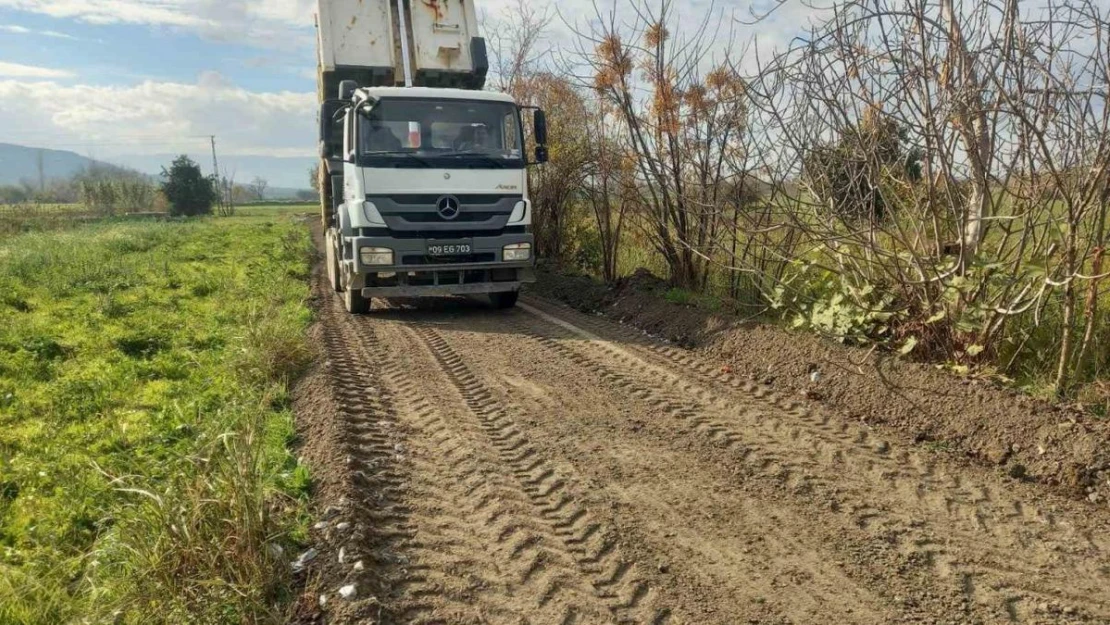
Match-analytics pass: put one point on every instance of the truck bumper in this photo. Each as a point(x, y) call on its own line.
point(415, 274)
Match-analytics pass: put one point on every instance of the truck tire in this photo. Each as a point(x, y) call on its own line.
point(354, 302)
point(504, 301)
point(332, 259)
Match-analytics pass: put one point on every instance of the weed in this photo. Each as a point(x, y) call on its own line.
point(681, 297)
point(144, 473)
point(938, 447)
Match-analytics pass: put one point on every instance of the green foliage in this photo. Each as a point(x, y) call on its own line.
point(108, 196)
point(187, 190)
point(828, 303)
point(584, 244)
point(852, 176)
point(15, 194)
point(144, 420)
point(685, 297)
point(681, 297)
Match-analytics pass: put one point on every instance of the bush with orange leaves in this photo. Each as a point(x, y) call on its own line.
point(683, 129)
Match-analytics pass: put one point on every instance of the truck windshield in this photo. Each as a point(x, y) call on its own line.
point(441, 133)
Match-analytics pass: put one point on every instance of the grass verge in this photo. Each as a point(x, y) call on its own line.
point(144, 420)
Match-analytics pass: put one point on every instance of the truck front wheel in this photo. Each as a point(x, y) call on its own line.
point(332, 259)
point(354, 301)
point(504, 300)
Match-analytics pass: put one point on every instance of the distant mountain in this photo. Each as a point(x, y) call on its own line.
point(285, 175)
point(18, 163)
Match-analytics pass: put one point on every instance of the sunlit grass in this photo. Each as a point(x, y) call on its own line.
point(144, 419)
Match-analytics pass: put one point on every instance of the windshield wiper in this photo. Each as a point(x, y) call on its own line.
point(483, 155)
point(410, 155)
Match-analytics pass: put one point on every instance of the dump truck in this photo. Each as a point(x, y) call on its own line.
point(423, 173)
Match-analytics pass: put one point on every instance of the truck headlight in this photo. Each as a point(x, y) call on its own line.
point(516, 252)
point(376, 255)
point(370, 211)
point(520, 211)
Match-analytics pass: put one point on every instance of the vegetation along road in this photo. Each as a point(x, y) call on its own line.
point(544, 466)
point(144, 417)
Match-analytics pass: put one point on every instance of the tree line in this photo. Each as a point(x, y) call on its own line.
point(181, 189)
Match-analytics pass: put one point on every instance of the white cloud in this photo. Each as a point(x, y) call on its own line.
point(272, 23)
point(18, 70)
point(288, 24)
point(23, 30)
point(154, 12)
point(726, 28)
point(158, 117)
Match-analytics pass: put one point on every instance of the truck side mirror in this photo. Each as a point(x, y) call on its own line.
point(347, 89)
point(539, 122)
point(541, 154)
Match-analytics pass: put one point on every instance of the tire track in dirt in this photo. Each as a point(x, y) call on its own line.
point(386, 527)
point(422, 529)
point(998, 580)
point(379, 519)
point(718, 553)
point(541, 581)
point(593, 548)
point(839, 442)
point(442, 562)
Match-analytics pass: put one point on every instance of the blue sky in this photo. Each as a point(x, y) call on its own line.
point(122, 54)
point(113, 79)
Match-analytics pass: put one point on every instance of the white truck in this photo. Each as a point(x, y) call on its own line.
point(423, 181)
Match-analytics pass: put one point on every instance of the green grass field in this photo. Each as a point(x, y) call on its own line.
point(16, 219)
point(271, 210)
point(145, 421)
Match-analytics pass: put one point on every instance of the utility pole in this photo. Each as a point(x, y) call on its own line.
point(215, 163)
point(225, 195)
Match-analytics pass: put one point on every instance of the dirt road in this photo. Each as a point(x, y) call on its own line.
point(541, 466)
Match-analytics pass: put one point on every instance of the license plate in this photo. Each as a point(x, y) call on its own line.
point(449, 248)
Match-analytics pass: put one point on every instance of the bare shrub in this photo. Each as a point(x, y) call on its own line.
point(1007, 115)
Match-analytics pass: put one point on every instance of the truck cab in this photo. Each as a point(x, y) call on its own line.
point(424, 189)
point(434, 195)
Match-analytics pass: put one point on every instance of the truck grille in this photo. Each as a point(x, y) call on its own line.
point(421, 259)
point(421, 234)
point(463, 198)
point(422, 218)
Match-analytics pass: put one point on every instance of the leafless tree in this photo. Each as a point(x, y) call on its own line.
point(516, 47)
point(609, 183)
point(1006, 110)
point(258, 188)
point(225, 190)
point(681, 125)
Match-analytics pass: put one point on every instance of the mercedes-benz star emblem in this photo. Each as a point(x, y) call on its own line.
point(448, 207)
